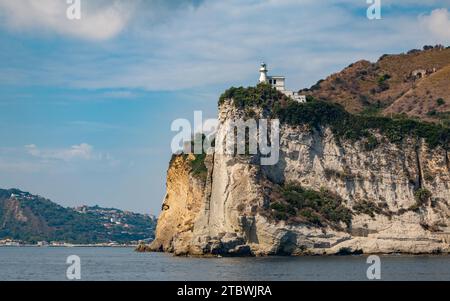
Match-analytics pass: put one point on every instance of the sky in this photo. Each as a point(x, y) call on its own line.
point(86, 105)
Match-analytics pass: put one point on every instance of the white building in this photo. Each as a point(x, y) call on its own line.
point(279, 83)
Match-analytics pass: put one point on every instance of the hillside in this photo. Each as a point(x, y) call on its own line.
point(30, 218)
point(416, 83)
point(429, 99)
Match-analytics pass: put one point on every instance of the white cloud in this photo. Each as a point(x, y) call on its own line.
point(222, 42)
point(99, 20)
point(438, 23)
point(83, 151)
point(33, 159)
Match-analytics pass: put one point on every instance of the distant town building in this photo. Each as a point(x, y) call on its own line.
point(82, 209)
point(279, 83)
point(42, 244)
point(10, 242)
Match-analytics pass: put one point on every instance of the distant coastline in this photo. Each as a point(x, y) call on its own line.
point(72, 246)
point(27, 219)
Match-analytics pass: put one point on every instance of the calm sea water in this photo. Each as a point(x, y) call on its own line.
point(125, 264)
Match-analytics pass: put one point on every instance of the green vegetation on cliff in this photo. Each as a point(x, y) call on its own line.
point(263, 95)
point(370, 208)
point(343, 124)
point(198, 166)
point(319, 208)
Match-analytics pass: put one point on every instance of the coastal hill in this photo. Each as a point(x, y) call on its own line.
point(415, 83)
point(31, 218)
point(347, 181)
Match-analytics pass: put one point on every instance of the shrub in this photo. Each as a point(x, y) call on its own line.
point(422, 196)
point(281, 216)
point(278, 207)
point(383, 87)
point(281, 207)
point(432, 113)
point(372, 143)
point(315, 207)
point(414, 51)
point(311, 216)
point(198, 166)
point(383, 78)
point(310, 98)
point(440, 101)
point(282, 211)
point(366, 207)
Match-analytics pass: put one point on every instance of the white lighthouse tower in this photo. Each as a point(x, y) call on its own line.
point(263, 73)
point(278, 82)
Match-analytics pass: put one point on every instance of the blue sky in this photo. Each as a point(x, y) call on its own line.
point(86, 106)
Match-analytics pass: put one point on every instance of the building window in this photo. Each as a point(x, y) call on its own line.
point(270, 81)
point(274, 81)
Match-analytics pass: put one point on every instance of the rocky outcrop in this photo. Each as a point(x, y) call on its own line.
point(181, 207)
point(228, 211)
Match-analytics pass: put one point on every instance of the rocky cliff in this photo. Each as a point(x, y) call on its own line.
point(329, 193)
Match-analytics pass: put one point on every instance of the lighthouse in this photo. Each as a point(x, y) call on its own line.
point(263, 73)
point(278, 82)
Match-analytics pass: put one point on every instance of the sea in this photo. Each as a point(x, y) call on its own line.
point(124, 264)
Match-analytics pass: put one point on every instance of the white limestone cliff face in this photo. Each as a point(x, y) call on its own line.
point(227, 213)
